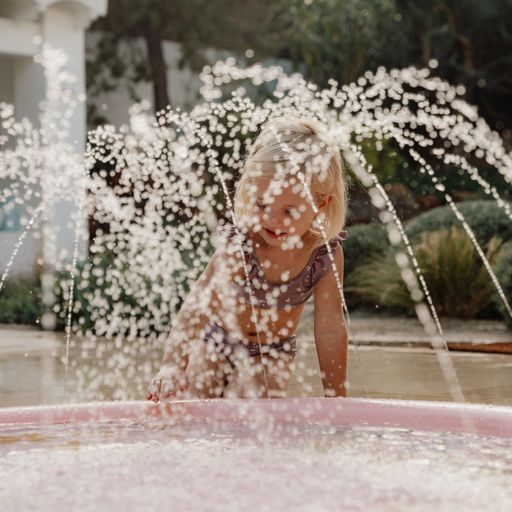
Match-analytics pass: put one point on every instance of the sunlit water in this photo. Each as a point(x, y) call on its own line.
point(226, 466)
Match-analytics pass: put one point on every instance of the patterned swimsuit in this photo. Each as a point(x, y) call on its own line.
point(268, 295)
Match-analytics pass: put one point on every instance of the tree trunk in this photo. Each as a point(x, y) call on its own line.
point(158, 67)
point(424, 38)
point(421, 19)
point(462, 40)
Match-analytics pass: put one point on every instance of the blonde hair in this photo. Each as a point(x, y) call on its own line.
point(298, 146)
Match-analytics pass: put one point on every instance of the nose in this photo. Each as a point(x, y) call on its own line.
point(273, 218)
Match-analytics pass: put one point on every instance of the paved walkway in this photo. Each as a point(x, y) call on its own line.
point(462, 335)
point(394, 360)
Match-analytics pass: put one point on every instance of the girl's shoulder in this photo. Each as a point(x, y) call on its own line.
point(231, 232)
point(231, 239)
point(332, 243)
point(322, 262)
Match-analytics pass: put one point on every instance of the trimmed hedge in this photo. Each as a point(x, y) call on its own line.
point(364, 242)
point(503, 272)
point(20, 301)
point(485, 218)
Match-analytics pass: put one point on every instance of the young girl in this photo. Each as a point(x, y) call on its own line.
point(234, 335)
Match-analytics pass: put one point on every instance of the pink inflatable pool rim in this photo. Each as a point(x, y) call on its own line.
point(426, 416)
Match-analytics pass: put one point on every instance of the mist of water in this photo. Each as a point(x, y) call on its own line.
point(158, 187)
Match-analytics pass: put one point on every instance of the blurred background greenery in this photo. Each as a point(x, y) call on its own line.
point(467, 42)
point(471, 41)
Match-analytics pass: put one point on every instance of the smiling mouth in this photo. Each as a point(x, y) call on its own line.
point(273, 234)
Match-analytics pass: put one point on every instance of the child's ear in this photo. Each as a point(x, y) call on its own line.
point(325, 201)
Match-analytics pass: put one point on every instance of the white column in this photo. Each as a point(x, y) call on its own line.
point(62, 30)
point(61, 24)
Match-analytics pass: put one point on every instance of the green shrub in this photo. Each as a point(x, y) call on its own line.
point(111, 291)
point(20, 301)
point(457, 281)
point(21, 297)
point(107, 289)
point(89, 281)
point(503, 272)
point(485, 218)
point(364, 241)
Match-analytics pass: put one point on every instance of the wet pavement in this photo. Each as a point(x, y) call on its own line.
point(394, 359)
point(32, 371)
point(459, 334)
point(413, 374)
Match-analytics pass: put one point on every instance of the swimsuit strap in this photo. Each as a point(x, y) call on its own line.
point(232, 231)
point(298, 289)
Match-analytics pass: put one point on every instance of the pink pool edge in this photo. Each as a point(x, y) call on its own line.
point(337, 412)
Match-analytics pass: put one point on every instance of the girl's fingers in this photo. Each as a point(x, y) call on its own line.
point(184, 394)
point(183, 382)
point(154, 390)
point(166, 389)
point(163, 388)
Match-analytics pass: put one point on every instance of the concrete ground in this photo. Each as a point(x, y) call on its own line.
point(392, 359)
point(388, 331)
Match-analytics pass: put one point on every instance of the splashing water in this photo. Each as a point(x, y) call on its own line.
point(125, 454)
point(158, 187)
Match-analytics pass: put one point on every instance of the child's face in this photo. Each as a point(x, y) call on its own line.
point(280, 216)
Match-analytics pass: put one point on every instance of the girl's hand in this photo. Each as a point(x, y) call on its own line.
point(169, 382)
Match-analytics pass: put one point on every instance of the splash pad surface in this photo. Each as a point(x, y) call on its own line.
point(312, 454)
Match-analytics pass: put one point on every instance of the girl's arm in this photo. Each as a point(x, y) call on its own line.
point(191, 318)
point(331, 337)
point(171, 380)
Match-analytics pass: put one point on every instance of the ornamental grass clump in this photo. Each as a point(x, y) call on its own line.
point(456, 278)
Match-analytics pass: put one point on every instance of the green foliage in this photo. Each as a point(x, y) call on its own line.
point(377, 282)
point(503, 272)
point(364, 242)
point(326, 39)
point(457, 281)
point(393, 165)
point(89, 281)
point(485, 218)
point(129, 49)
point(106, 284)
point(20, 301)
point(96, 293)
point(386, 161)
point(471, 40)
point(341, 39)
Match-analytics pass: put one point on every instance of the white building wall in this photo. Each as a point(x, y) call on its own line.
point(60, 23)
point(183, 84)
